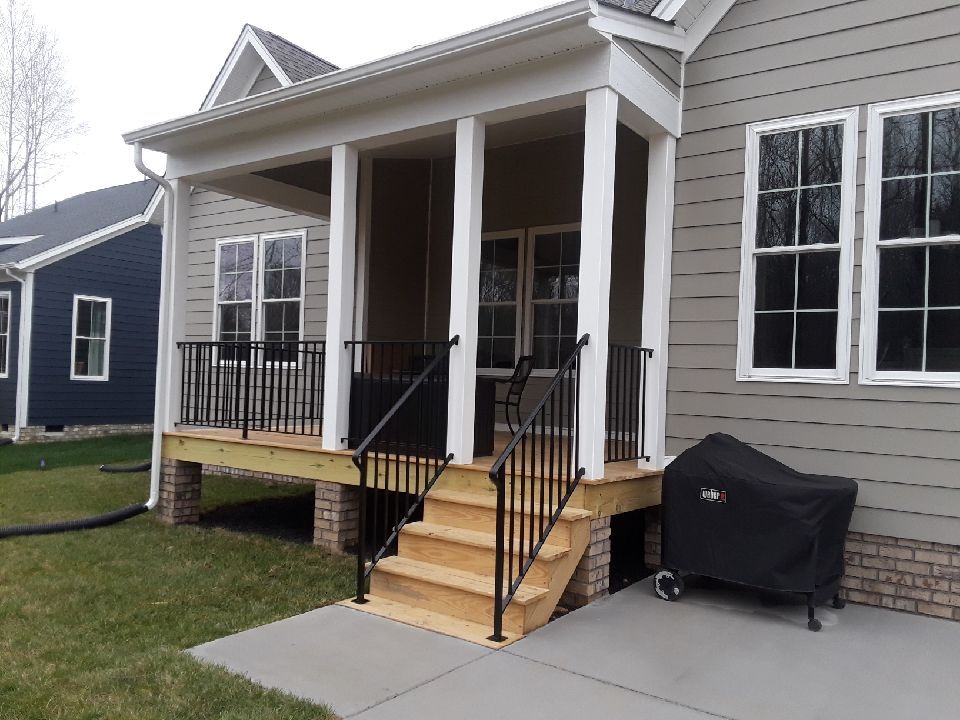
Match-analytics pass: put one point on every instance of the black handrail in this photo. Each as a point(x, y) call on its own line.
point(549, 436)
point(404, 441)
point(626, 402)
point(262, 385)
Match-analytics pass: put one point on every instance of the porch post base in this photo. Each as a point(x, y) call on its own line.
point(179, 502)
point(336, 516)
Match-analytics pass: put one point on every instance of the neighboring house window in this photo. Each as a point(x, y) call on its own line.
point(4, 334)
point(529, 287)
point(911, 294)
point(797, 252)
point(91, 338)
point(259, 293)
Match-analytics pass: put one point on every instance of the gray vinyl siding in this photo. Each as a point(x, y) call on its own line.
point(265, 81)
point(213, 217)
point(773, 59)
point(8, 384)
point(664, 65)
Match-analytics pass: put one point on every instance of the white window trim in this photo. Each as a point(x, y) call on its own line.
point(8, 296)
point(746, 372)
point(106, 345)
point(869, 296)
point(519, 341)
point(256, 324)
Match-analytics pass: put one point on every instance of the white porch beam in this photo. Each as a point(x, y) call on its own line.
point(596, 246)
point(658, 247)
point(342, 261)
point(265, 191)
point(465, 286)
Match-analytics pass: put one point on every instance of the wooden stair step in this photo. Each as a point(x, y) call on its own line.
point(429, 620)
point(488, 501)
point(475, 538)
point(464, 580)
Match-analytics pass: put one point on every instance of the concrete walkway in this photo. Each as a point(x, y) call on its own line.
point(714, 654)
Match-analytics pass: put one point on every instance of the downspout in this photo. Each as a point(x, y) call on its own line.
point(166, 265)
point(21, 412)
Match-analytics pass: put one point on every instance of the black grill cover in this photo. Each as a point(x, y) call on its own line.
point(733, 513)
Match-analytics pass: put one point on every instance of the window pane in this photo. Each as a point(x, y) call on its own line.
point(905, 145)
point(903, 209)
point(775, 282)
point(244, 257)
point(81, 358)
point(291, 283)
point(546, 283)
point(273, 255)
point(228, 258)
point(819, 281)
point(95, 355)
point(571, 248)
point(567, 345)
point(944, 290)
point(816, 341)
point(547, 250)
point(822, 161)
point(820, 215)
point(4, 316)
point(568, 319)
point(292, 252)
point(773, 340)
point(778, 160)
point(776, 219)
point(505, 320)
point(900, 340)
point(273, 317)
point(484, 348)
point(506, 253)
point(3, 354)
point(244, 313)
point(570, 283)
point(546, 319)
point(488, 255)
point(902, 272)
point(498, 286)
point(485, 321)
point(546, 351)
point(943, 340)
point(84, 317)
point(503, 353)
point(946, 140)
point(98, 320)
point(945, 205)
point(291, 319)
point(273, 284)
point(228, 320)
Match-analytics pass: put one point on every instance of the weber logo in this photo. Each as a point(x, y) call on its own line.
point(717, 496)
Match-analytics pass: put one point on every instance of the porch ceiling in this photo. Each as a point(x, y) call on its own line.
point(526, 67)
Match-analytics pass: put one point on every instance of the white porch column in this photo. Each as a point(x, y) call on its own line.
point(658, 248)
point(465, 286)
point(342, 262)
point(596, 247)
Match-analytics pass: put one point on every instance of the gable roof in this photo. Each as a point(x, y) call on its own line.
point(77, 217)
point(644, 7)
point(297, 63)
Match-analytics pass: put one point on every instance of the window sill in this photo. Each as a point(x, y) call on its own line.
point(918, 382)
point(89, 379)
point(804, 379)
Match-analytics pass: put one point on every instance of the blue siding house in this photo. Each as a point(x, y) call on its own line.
point(79, 297)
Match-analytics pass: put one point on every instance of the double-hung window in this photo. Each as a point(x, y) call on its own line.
point(4, 334)
point(529, 288)
point(911, 268)
point(797, 249)
point(91, 338)
point(259, 293)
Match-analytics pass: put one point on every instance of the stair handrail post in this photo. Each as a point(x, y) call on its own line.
point(361, 533)
point(498, 560)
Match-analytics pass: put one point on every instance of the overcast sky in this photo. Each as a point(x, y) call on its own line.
point(134, 63)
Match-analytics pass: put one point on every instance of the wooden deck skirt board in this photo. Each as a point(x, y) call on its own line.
point(625, 487)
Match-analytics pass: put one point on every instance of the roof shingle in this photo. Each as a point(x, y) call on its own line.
point(297, 63)
point(644, 7)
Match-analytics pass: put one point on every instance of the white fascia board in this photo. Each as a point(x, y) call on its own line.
point(615, 22)
point(668, 9)
point(645, 95)
point(248, 38)
point(18, 240)
point(704, 25)
point(435, 53)
point(79, 244)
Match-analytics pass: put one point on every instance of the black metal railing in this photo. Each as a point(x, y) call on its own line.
point(535, 476)
point(404, 453)
point(261, 385)
point(626, 402)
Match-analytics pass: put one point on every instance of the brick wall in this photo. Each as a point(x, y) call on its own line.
point(591, 579)
point(37, 433)
point(251, 474)
point(909, 575)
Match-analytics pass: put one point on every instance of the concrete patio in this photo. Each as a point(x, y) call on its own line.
point(716, 653)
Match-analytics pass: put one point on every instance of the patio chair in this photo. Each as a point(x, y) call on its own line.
point(515, 386)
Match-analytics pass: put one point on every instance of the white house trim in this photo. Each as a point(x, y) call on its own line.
point(105, 377)
point(668, 9)
point(235, 65)
point(869, 297)
point(5, 369)
point(704, 24)
point(21, 415)
point(632, 26)
point(7, 241)
point(849, 118)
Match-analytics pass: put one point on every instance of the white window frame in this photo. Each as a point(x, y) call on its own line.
point(869, 296)
point(106, 345)
point(746, 372)
point(257, 292)
point(8, 296)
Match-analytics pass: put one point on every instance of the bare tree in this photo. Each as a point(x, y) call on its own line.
point(36, 108)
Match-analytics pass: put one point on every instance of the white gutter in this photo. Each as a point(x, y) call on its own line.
point(21, 414)
point(166, 282)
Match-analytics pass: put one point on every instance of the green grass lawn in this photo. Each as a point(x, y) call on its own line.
point(93, 624)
